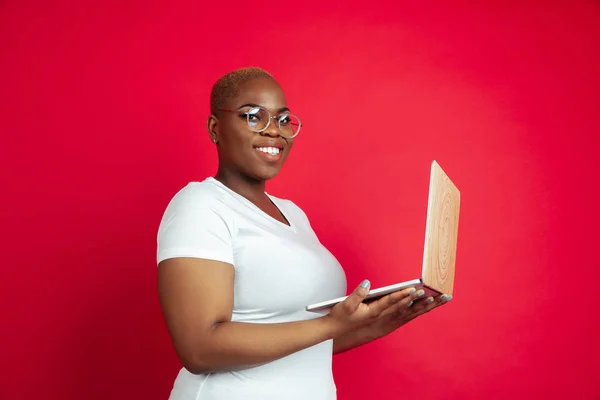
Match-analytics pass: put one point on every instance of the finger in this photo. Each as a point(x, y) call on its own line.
point(416, 296)
point(405, 307)
point(408, 304)
point(402, 295)
point(446, 298)
point(390, 303)
point(358, 295)
point(429, 304)
point(439, 300)
point(421, 307)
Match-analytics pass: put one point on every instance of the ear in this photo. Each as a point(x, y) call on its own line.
point(212, 124)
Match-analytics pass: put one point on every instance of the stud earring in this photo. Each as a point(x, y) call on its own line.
point(214, 140)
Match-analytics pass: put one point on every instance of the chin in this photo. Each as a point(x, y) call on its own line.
point(266, 177)
point(264, 174)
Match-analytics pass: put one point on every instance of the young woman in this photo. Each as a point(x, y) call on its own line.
point(237, 267)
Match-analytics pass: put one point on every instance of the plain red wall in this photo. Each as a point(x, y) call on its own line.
point(102, 111)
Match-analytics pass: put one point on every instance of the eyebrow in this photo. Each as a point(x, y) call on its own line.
point(258, 105)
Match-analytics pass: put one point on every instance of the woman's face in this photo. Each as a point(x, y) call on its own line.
point(254, 155)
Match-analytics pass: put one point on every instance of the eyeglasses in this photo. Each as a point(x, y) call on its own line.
point(259, 118)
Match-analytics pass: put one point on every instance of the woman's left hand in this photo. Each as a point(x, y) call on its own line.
point(403, 312)
point(404, 306)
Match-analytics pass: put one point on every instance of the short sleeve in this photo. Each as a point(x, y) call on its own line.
point(194, 229)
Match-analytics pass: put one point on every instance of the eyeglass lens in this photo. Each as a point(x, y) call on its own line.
point(258, 118)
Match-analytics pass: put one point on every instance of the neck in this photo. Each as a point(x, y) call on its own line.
point(252, 189)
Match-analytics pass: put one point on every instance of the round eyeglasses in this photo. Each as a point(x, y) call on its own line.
point(259, 118)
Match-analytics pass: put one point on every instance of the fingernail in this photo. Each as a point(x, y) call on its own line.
point(365, 284)
point(421, 293)
point(410, 303)
point(430, 300)
point(412, 291)
point(448, 298)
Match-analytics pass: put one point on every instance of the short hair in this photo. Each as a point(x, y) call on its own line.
point(227, 87)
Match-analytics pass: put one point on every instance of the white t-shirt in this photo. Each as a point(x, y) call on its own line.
point(279, 270)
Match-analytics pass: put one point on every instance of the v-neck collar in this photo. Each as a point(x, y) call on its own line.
point(253, 206)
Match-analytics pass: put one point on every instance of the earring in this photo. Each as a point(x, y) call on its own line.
point(214, 140)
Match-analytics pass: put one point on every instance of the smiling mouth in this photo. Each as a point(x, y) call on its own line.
point(270, 150)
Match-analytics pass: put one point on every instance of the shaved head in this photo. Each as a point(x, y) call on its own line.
point(227, 87)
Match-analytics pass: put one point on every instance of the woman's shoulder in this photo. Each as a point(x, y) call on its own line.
point(198, 194)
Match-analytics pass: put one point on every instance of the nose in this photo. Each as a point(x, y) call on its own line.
point(272, 130)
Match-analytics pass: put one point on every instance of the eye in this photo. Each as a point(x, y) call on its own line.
point(284, 119)
point(253, 115)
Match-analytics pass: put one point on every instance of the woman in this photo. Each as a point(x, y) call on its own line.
point(237, 267)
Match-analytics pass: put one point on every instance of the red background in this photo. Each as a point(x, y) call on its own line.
point(102, 112)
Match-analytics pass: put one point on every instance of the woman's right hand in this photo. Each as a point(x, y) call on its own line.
point(352, 313)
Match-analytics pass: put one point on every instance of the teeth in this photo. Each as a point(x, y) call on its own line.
point(270, 150)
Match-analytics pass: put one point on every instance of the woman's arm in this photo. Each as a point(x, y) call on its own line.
point(196, 297)
point(353, 339)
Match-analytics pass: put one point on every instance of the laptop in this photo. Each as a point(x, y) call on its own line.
point(439, 256)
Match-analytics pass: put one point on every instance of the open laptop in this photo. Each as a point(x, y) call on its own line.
point(441, 234)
